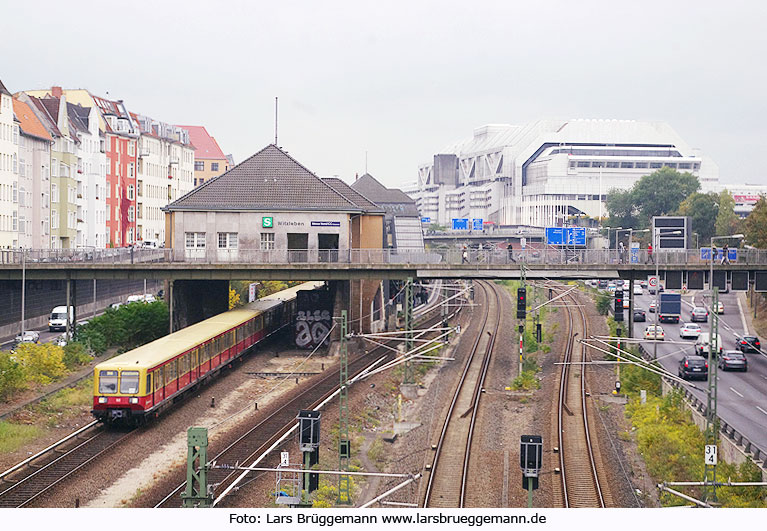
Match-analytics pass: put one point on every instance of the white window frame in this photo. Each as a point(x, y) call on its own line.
point(194, 240)
point(227, 240)
point(267, 241)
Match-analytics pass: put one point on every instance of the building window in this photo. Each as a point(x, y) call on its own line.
point(54, 193)
point(199, 165)
point(131, 148)
point(54, 219)
point(130, 213)
point(267, 241)
point(656, 165)
point(583, 164)
point(130, 192)
point(227, 240)
point(214, 166)
point(194, 240)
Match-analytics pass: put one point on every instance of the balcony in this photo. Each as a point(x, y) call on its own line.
point(143, 152)
point(174, 160)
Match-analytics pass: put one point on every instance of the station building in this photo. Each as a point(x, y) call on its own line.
point(271, 207)
point(543, 172)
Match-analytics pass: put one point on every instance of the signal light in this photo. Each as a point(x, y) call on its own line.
point(618, 305)
point(521, 303)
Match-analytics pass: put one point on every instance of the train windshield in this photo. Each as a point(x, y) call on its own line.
point(129, 382)
point(107, 382)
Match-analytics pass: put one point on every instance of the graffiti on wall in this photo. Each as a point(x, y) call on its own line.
point(314, 311)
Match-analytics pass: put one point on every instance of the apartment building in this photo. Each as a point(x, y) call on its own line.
point(9, 169)
point(34, 179)
point(209, 159)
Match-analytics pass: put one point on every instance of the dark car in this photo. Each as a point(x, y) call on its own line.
point(693, 367)
point(639, 315)
point(733, 360)
point(749, 344)
point(699, 314)
point(602, 284)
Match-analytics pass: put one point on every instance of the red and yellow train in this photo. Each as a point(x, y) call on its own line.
point(138, 385)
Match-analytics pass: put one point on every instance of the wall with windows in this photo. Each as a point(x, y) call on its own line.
point(9, 174)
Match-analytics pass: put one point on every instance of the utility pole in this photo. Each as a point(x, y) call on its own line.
point(196, 492)
point(712, 422)
point(344, 444)
point(409, 377)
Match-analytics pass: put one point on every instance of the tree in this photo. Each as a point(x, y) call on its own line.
point(12, 375)
point(42, 363)
point(234, 299)
point(727, 221)
point(661, 193)
point(703, 211)
point(756, 225)
point(623, 211)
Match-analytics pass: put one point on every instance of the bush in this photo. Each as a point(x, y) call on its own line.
point(127, 327)
point(76, 355)
point(604, 301)
point(42, 363)
point(12, 375)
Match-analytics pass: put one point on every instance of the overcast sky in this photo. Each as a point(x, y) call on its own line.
point(401, 80)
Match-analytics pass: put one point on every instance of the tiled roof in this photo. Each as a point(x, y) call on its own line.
point(375, 191)
point(205, 145)
point(42, 112)
point(4, 90)
point(29, 123)
point(270, 180)
point(352, 195)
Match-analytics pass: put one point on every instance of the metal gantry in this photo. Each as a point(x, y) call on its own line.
point(409, 377)
point(196, 493)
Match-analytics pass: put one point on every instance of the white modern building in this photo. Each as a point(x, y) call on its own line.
point(544, 172)
point(9, 171)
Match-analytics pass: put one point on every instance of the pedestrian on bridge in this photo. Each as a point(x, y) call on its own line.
point(725, 254)
point(464, 255)
point(713, 253)
point(650, 257)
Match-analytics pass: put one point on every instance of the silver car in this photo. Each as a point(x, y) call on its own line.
point(689, 330)
point(733, 360)
point(29, 336)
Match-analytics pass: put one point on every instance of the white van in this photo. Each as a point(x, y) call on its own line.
point(58, 318)
point(702, 344)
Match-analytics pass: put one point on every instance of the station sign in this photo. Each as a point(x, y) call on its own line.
point(326, 223)
point(460, 224)
point(267, 222)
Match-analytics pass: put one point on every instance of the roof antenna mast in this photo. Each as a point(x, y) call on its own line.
point(366, 161)
point(275, 120)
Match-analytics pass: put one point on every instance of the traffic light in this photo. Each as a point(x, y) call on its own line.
point(521, 303)
point(538, 332)
point(619, 305)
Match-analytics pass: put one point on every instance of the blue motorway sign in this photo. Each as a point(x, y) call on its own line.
point(705, 254)
point(566, 236)
point(476, 224)
point(426, 220)
point(460, 224)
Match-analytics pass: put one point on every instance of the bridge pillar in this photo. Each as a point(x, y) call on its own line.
point(195, 300)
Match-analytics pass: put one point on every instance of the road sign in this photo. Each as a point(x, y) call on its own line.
point(566, 236)
point(425, 220)
point(652, 282)
point(634, 252)
point(732, 255)
point(555, 236)
point(705, 253)
point(710, 454)
point(476, 224)
point(460, 224)
point(523, 242)
point(252, 291)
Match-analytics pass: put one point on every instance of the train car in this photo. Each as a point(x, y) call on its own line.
point(137, 385)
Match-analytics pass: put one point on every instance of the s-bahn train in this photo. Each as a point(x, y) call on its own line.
point(137, 385)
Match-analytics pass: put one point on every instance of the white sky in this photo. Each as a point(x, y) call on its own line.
point(401, 80)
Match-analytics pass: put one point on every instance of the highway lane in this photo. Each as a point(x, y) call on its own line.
point(742, 397)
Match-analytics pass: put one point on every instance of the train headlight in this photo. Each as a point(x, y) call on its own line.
point(134, 400)
point(102, 400)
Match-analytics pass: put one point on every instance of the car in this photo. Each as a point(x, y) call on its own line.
point(638, 289)
point(654, 332)
point(602, 283)
point(733, 360)
point(115, 305)
point(652, 307)
point(651, 291)
point(720, 308)
point(699, 313)
point(690, 330)
point(619, 282)
point(702, 344)
point(29, 336)
point(693, 367)
point(639, 315)
point(643, 283)
point(748, 344)
point(611, 289)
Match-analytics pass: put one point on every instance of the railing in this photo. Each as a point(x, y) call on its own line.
point(462, 258)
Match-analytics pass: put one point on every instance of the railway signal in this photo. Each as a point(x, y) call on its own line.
point(521, 303)
point(530, 461)
point(618, 305)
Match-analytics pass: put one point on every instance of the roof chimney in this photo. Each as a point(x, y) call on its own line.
point(57, 92)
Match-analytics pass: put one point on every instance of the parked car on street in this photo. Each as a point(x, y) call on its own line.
point(748, 344)
point(693, 367)
point(733, 360)
point(689, 330)
point(699, 313)
point(639, 315)
point(29, 336)
point(654, 332)
point(638, 289)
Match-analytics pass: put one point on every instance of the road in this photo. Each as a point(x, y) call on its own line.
point(742, 397)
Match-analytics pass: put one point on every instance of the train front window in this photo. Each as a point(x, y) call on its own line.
point(107, 382)
point(129, 382)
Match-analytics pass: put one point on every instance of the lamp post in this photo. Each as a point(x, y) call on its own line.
point(713, 347)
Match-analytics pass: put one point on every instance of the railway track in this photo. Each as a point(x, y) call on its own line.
point(447, 477)
point(278, 420)
point(28, 480)
point(579, 461)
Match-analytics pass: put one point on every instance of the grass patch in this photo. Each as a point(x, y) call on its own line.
point(377, 453)
point(66, 403)
point(14, 436)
